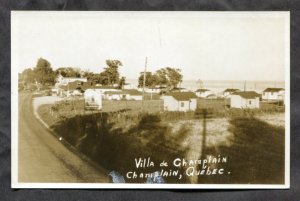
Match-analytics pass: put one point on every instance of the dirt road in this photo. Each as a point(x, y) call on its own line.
point(43, 158)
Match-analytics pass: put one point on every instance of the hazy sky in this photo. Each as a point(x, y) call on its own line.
point(208, 46)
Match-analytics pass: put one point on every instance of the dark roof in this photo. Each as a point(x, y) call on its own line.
point(231, 90)
point(133, 92)
point(178, 88)
point(247, 94)
point(273, 89)
point(182, 96)
point(78, 85)
point(60, 75)
point(202, 90)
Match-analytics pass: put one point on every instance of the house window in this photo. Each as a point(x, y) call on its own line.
point(182, 104)
point(249, 102)
point(271, 93)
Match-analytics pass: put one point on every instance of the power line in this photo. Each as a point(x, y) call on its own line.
point(144, 82)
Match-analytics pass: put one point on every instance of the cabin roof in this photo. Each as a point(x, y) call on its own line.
point(273, 89)
point(202, 90)
point(182, 96)
point(247, 94)
point(83, 86)
point(231, 90)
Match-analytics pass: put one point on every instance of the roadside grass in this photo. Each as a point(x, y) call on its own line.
point(98, 137)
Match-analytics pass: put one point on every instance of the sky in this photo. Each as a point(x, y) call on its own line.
point(204, 45)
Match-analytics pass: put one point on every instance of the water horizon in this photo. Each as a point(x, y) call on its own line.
point(218, 86)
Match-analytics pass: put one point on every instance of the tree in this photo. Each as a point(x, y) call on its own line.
point(88, 74)
point(27, 76)
point(122, 82)
point(43, 72)
point(150, 81)
point(68, 72)
point(169, 76)
point(111, 72)
point(102, 78)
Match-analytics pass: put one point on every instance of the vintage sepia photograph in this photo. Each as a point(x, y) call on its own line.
point(150, 99)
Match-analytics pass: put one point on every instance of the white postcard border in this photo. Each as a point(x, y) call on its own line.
point(14, 105)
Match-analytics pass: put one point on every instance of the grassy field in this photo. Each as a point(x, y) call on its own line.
point(216, 108)
point(253, 140)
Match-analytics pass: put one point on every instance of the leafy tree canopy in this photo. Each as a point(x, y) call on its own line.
point(43, 72)
point(122, 82)
point(167, 76)
point(27, 76)
point(111, 75)
point(150, 81)
point(69, 72)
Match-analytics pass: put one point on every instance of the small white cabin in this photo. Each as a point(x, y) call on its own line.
point(61, 80)
point(245, 99)
point(134, 94)
point(156, 89)
point(273, 94)
point(180, 101)
point(103, 89)
point(116, 95)
point(92, 99)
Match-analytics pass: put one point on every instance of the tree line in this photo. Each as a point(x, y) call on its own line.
point(167, 77)
point(43, 74)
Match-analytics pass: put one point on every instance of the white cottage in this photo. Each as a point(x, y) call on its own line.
point(92, 99)
point(116, 95)
point(157, 89)
point(134, 94)
point(273, 94)
point(245, 99)
point(180, 101)
point(103, 89)
point(61, 80)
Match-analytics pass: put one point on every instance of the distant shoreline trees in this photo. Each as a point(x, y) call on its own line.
point(169, 77)
point(68, 72)
point(43, 74)
point(110, 75)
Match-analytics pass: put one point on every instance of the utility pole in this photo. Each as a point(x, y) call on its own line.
point(144, 82)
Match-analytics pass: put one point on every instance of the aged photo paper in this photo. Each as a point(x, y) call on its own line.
point(195, 100)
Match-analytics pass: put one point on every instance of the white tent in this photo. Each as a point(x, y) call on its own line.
point(92, 99)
